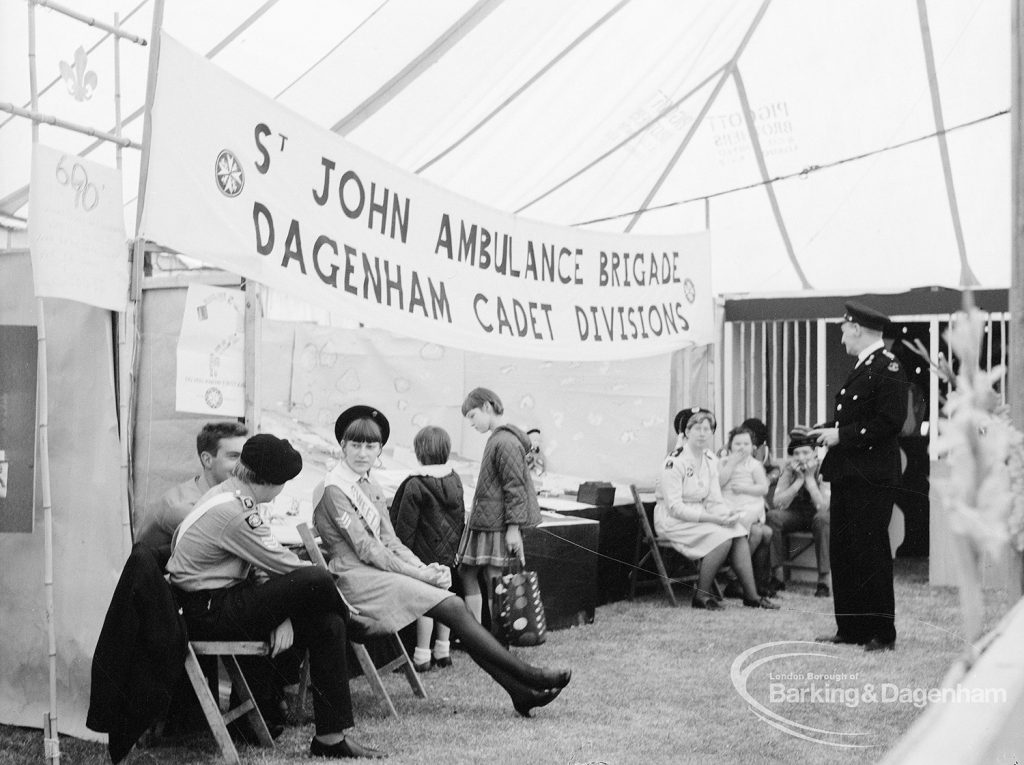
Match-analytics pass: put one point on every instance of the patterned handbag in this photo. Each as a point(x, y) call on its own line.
point(517, 612)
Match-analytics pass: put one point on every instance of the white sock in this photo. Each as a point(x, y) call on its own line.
point(421, 655)
point(442, 649)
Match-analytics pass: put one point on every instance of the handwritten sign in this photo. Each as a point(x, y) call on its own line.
point(76, 230)
point(211, 367)
point(242, 183)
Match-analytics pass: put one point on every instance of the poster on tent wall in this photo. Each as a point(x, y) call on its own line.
point(210, 376)
point(18, 347)
point(242, 183)
point(76, 230)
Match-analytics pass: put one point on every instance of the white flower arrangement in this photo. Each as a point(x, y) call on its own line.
point(984, 490)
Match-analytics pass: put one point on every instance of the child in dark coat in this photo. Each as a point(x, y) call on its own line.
point(429, 513)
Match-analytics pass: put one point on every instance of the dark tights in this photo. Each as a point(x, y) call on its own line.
point(509, 671)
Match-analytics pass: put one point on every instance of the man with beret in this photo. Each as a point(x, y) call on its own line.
point(216, 549)
point(863, 468)
point(800, 503)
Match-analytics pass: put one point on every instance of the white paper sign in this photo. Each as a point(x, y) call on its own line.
point(76, 230)
point(211, 350)
point(240, 182)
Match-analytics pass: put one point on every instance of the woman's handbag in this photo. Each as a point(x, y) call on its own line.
point(517, 613)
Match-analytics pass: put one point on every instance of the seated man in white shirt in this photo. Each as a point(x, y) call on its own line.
point(219, 445)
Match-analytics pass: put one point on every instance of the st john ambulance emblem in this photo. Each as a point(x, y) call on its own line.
point(229, 174)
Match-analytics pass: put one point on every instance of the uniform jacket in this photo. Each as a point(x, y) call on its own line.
point(429, 513)
point(139, 657)
point(222, 547)
point(505, 493)
point(869, 413)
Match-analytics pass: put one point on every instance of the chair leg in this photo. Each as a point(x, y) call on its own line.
point(410, 671)
point(211, 708)
point(247, 706)
point(303, 683)
point(373, 676)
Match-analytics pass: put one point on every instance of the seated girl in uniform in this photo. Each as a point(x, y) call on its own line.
point(691, 514)
point(387, 583)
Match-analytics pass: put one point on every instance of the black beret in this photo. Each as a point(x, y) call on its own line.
point(358, 412)
point(272, 459)
point(683, 417)
point(866, 316)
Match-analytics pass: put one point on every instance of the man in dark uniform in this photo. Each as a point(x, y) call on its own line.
point(217, 548)
point(863, 467)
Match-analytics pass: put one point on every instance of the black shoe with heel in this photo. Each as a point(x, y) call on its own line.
point(344, 748)
point(760, 603)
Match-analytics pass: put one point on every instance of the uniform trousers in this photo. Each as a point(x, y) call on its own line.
point(785, 520)
point(307, 596)
point(862, 585)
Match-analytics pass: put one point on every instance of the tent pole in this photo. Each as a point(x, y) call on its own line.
point(967, 277)
point(253, 338)
point(1015, 378)
point(51, 741)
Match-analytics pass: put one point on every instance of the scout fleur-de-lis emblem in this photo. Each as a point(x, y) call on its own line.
point(229, 174)
point(80, 83)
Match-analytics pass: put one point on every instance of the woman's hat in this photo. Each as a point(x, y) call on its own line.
point(358, 412)
point(684, 415)
point(272, 459)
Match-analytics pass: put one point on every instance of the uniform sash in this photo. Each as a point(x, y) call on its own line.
point(198, 512)
point(364, 507)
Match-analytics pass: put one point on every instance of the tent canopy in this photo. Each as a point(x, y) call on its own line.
point(585, 112)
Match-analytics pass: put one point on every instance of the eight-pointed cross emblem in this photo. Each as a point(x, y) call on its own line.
point(230, 177)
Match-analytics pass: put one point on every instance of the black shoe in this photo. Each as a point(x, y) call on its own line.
point(550, 678)
point(443, 663)
point(837, 639)
point(760, 603)
point(877, 645)
point(424, 667)
point(344, 748)
point(534, 698)
point(776, 584)
point(822, 591)
point(709, 604)
point(733, 590)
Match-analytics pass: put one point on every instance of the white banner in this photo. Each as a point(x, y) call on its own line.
point(211, 366)
point(76, 230)
point(242, 183)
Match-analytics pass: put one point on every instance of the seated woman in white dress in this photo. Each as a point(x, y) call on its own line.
point(388, 585)
point(691, 514)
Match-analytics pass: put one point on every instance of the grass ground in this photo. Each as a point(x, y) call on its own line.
point(651, 684)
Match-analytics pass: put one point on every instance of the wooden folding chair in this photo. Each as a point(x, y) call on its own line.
point(227, 650)
point(795, 544)
point(371, 671)
point(654, 545)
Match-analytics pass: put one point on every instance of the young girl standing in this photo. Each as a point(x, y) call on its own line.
point(429, 514)
point(504, 502)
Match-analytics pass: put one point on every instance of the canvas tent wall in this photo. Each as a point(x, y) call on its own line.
point(86, 498)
